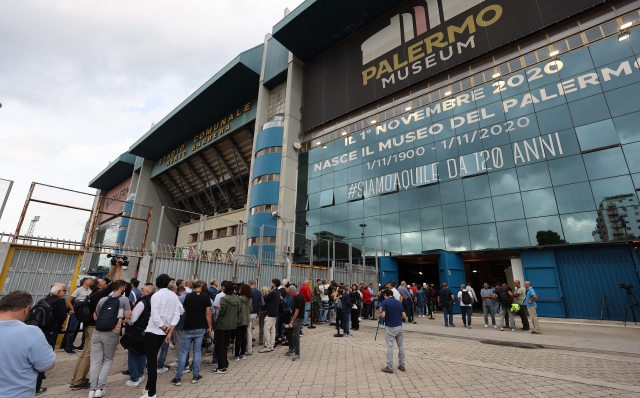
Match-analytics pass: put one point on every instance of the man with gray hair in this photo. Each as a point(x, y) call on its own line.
point(59, 310)
point(296, 322)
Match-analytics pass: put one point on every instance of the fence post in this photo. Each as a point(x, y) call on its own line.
point(377, 274)
point(24, 212)
point(155, 251)
point(333, 262)
point(203, 220)
point(260, 251)
point(6, 197)
point(288, 269)
point(364, 260)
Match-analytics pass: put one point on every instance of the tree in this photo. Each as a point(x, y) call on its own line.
point(549, 238)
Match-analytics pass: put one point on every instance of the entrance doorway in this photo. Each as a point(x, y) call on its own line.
point(418, 270)
point(491, 267)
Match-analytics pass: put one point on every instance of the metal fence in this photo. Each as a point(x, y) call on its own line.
point(58, 215)
point(280, 254)
point(36, 269)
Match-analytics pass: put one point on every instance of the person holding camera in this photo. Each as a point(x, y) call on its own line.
point(272, 304)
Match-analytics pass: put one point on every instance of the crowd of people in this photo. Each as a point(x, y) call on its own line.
point(191, 316)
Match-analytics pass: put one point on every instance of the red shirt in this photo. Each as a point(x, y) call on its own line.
point(414, 289)
point(306, 293)
point(366, 296)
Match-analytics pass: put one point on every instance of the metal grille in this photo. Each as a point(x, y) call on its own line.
point(213, 180)
point(36, 270)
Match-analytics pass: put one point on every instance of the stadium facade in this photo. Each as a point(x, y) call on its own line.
point(453, 140)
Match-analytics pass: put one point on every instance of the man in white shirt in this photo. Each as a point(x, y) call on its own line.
point(165, 314)
point(79, 294)
point(324, 300)
point(466, 301)
point(396, 293)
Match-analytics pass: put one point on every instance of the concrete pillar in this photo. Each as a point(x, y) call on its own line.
point(262, 114)
point(289, 166)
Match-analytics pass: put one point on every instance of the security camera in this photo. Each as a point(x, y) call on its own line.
point(274, 214)
point(241, 221)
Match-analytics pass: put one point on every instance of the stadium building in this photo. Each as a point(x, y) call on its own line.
point(451, 140)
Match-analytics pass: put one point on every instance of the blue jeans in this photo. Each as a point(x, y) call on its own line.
point(466, 314)
point(346, 317)
point(163, 354)
point(324, 311)
point(448, 315)
point(137, 363)
point(421, 308)
point(307, 307)
point(189, 336)
point(488, 309)
point(71, 337)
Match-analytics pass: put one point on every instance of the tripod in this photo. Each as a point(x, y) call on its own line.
point(632, 303)
point(606, 304)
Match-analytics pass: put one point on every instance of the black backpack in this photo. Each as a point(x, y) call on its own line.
point(108, 316)
point(466, 297)
point(503, 297)
point(40, 315)
point(82, 309)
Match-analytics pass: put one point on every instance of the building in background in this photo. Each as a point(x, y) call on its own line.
point(450, 140)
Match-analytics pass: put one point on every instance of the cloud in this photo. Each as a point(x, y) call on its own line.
point(80, 81)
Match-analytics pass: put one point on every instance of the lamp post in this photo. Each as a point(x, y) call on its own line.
point(363, 226)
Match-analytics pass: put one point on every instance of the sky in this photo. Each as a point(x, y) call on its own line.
point(80, 81)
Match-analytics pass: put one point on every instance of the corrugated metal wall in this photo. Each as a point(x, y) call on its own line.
point(539, 267)
point(35, 270)
point(589, 273)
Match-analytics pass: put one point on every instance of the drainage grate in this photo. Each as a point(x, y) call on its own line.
point(513, 344)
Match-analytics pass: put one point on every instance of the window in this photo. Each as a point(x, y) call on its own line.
point(231, 250)
point(208, 235)
point(264, 209)
point(221, 233)
point(233, 231)
point(273, 149)
point(266, 240)
point(192, 238)
point(266, 178)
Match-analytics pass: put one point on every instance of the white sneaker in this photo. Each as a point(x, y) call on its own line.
point(130, 383)
point(162, 370)
point(174, 363)
point(486, 325)
point(495, 327)
point(92, 394)
point(141, 379)
point(100, 393)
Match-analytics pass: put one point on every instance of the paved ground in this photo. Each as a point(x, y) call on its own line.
point(571, 358)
